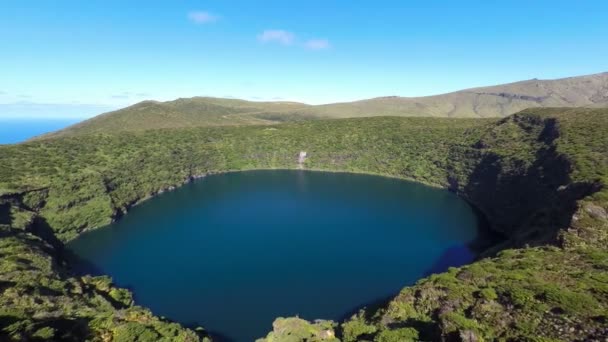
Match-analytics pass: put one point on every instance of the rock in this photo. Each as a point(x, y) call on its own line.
point(596, 211)
point(301, 158)
point(326, 334)
point(468, 336)
point(297, 329)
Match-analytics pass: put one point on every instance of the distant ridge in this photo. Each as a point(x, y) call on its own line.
point(184, 112)
point(493, 101)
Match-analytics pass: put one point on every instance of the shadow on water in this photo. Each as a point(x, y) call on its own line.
point(486, 237)
point(454, 256)
point(81, 267)
point(214, 335)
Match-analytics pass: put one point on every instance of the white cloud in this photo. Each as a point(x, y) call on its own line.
point(279, 36)
point(128, 95)
point(317, 44)
point(202, 17)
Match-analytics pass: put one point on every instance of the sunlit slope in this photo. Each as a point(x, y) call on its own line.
point(495, 101)
point(185, 112)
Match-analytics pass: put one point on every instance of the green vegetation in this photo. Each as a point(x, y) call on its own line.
point(538, 176)
point(496, 101)
point(40, 300)
point(294, 329)
point(86, 181)
point(191, 112)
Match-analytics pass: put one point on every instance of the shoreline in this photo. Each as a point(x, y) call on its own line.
point(117, 215)
point(75, 268)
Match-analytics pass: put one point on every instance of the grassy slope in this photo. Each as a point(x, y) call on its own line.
point(191, 112)
point(555, 157)
point(496, 101)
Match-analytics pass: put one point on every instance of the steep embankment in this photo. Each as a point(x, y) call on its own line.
point(539, 177)
point(495, 101)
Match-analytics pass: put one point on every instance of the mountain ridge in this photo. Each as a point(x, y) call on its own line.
point(479, 102)
point(500, 100)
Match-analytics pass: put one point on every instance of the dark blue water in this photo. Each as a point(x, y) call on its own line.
point(232, 252)
point(14, 131)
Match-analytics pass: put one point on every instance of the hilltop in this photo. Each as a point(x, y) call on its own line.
point(538, 176)
point(495, 101)
point(185, 112)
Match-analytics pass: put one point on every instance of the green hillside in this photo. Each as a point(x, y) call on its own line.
point(538, 176)
point(191, 112)
point(496, 101)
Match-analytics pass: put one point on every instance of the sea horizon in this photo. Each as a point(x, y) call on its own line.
point(18, 130)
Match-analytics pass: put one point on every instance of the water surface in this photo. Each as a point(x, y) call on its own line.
point(14, 131)
point(231, 252)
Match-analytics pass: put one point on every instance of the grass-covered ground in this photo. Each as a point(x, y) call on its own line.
point(485, 102)
point(539, 177)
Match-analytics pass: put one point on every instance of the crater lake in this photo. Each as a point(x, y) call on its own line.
point(231, 252)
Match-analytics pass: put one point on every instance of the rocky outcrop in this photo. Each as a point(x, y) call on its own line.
point(297, 329)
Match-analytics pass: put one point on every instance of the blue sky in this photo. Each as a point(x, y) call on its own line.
point(83, 57)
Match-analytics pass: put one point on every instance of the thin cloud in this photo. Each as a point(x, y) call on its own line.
point(3, 92)
point(317, 44)
point(202, 17)
point(128, 94)
point(276, 36)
